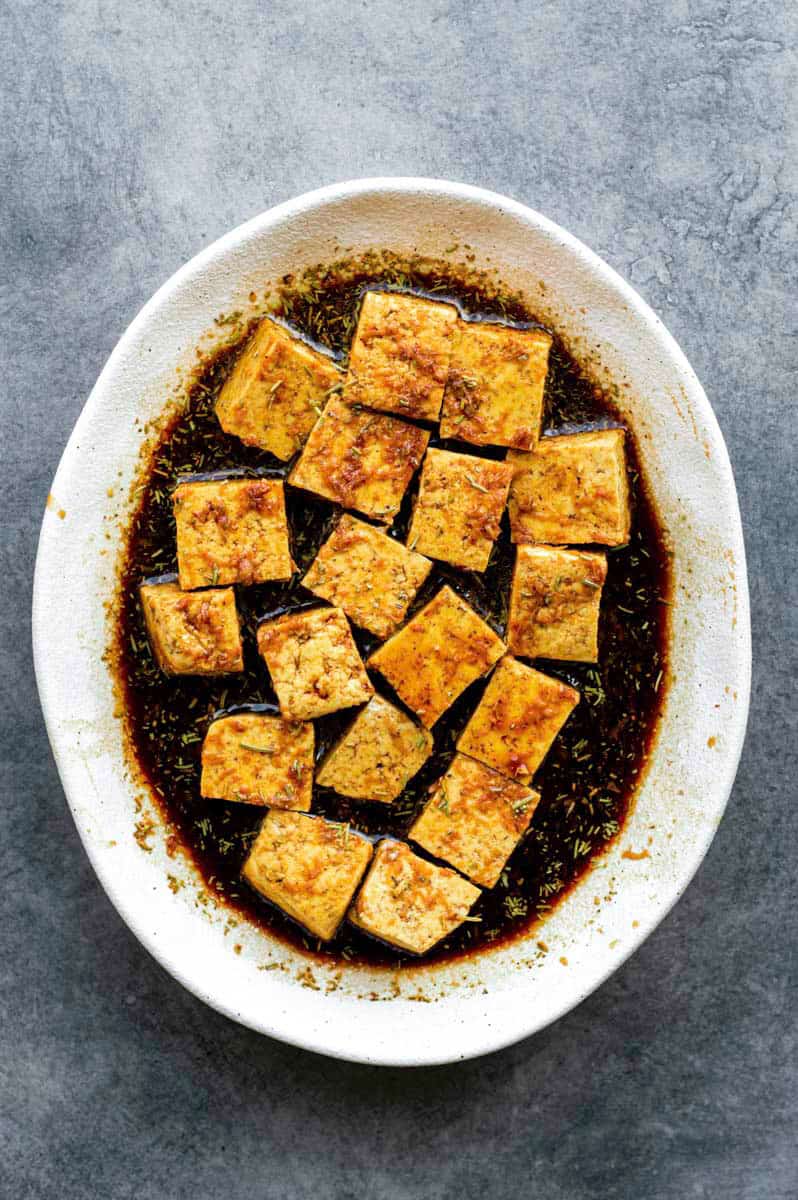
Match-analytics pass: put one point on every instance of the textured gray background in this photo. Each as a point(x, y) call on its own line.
point(664, 135)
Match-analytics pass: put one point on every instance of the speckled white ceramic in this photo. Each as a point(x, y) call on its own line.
point(427, 1015)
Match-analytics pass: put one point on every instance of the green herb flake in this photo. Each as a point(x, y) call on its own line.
point(342, 833)
point(516, 906)
point(257, 749)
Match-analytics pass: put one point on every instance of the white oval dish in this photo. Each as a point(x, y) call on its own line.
point(434, 1014)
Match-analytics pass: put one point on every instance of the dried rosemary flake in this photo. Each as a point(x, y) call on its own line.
point(342, 833)
point(256, 749)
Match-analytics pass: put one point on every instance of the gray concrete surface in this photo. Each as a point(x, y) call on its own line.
point(665, 136)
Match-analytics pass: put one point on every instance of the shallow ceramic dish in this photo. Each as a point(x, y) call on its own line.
point(459, 1009)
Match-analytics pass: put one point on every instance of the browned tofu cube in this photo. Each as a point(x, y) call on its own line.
point(231, 531)
point(441, 650)
point(494, 392)
point(372, 577)
point(571, 489)
point(192, 633)
point(276, 391)
point(400, 354)
point(313, 662)
point(361, 460)
point(474, 819)
point(308, 867)
point(256, 758)
point(554, 603)
point(381, 750)
point(517, 719)
point(459, 508)
point(410, 903)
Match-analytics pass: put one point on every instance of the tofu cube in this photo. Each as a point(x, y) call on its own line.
point(571, 489)
point(256, 758)
point(459, 508)
point(554, 603)
point(361, 460)
point(231, 531)
point(308, 867)
point(276, 391)
point(372, 577)
point(494, 392)
point(400, 354)
point(381, 750)
point(474, 819)
point(409, 902)
point(519, 716)
point(313, 662)
point(441, 650)
point(192, 633)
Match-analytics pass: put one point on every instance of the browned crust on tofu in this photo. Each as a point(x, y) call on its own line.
point(458, 512)
point(276, 391)
point(519, 716)
point(308, 867)
point(378, 754)
point(400, 354)
point(572, 489)
point(372, 577)
point(494, 391)
point(192, 633)
point(314, 663)
point(474, 819)
point(361, 460)
point(555, 602)
point(441, 650)
point(409, 902)
point(231, 531)
point(256, 758)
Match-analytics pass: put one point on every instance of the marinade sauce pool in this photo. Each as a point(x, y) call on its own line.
point(590, 774)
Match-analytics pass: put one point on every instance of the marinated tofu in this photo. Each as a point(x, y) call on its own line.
point(314, 663)
point(256, 758)
point(555, 602)
point(494, 391)
point(459, 508)
point(430, 661)
point(474, 819)
point(571, 489)
point(519, 716)
point(231, 531)
point(276, 391)
point(400, 354)
point(409, 902)
point(361, 460)
point(365, 434)
point(192, 633)
point(308, 867)
point(372, 577)
point(379, 753)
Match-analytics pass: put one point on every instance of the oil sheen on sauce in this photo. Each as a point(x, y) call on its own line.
point(590, 775)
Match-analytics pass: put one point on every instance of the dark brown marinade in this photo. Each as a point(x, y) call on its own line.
point(590, 775)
